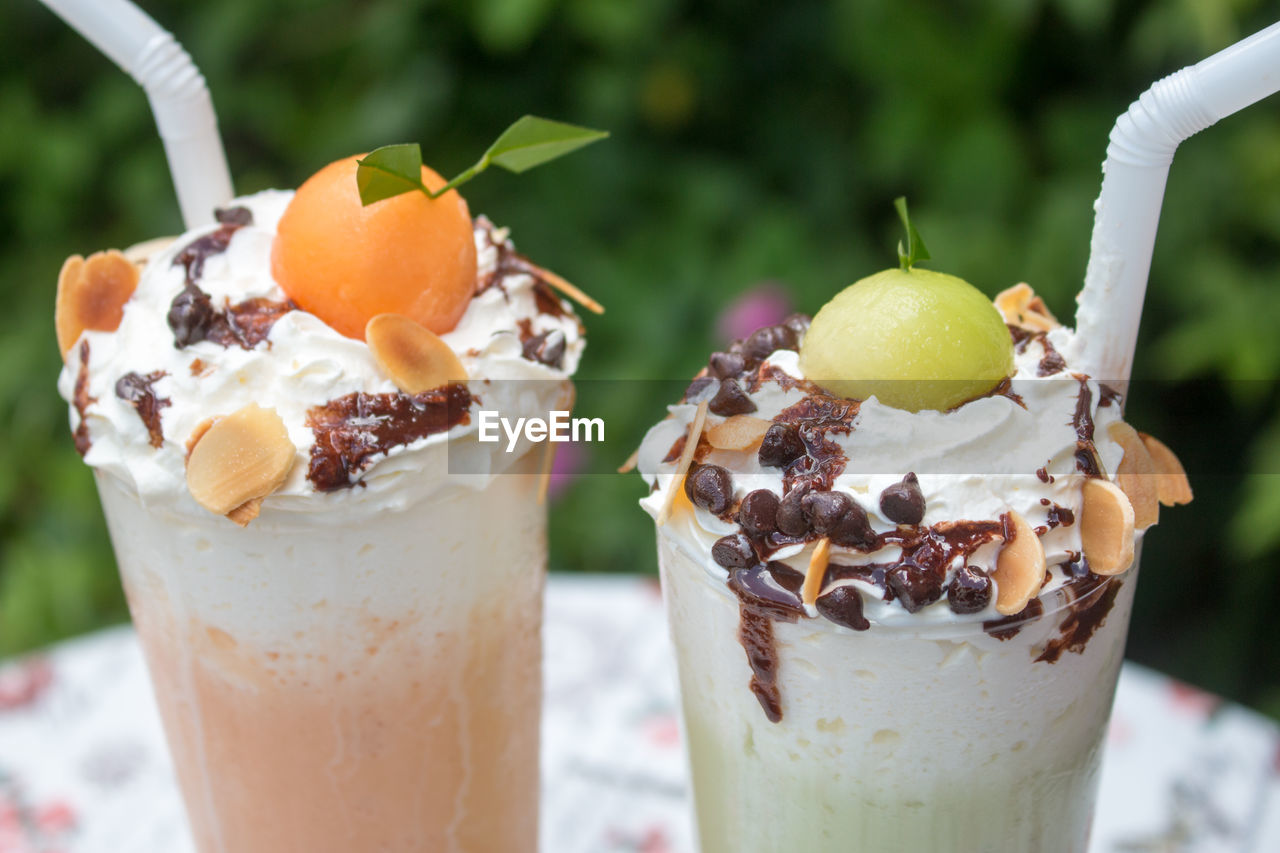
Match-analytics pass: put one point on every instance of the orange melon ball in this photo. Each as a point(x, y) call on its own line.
point(346, 263)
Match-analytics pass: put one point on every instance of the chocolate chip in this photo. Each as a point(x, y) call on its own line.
point(843, 606)
point(838, 517)
point(914, 587)
point(190, 317)
point(733, 551)
point(903, 502)
point(699, 389)
point(790, 516)
point(758, 514)
point(237, 215)
point(726, 365)
point(825, 509)
point(710, 487)
point(731, 399)
point(781, 446)
point(969, 591)
point(798, 324)
point(762, 343)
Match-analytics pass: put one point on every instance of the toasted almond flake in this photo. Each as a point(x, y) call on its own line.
point(1020, 568)
point(1136, 475)
point(570, 291)
point(739, 432)
point(246, 512)
point(1172, 485)
point(92, 294)
point(141, 253)
point(412, 356)
point(198, 433)
point(817, 570)
point(686, 459)
point(632, 461)
point(242, 456)
point(1020, 306)
point(1106, 527)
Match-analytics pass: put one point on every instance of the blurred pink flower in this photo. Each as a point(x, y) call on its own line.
point(570, 459)
point(763, 305)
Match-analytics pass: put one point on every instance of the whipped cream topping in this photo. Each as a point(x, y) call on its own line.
point(996, 454)
point(303, 363)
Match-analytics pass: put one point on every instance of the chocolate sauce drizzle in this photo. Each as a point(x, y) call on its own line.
point(137, 389)
point(192, 315)
point(1086, 452)
point(82, 401)
point(1094, 598)
point(816, 416)
point(509, 262)
point(1051, 362)
point(766, 592)
point(353, 429)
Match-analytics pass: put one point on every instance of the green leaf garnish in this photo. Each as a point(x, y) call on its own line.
point(389, 171)
point(916, 250)
point(530, 141)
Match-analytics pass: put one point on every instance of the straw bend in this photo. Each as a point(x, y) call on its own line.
point(1172, 110)
point(176, 90)
point(1141, 148)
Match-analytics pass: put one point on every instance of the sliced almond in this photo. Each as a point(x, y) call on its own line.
point(246, 512)
point(92, 294)
point(816, 572)
point(1022, 307)
point(1172, 485)
point(412, 356)
point(141, 253)
point(682, 466)
point(632, 461)
point(242, 456)
point(1136, 475)
point(1020, 568)
point(1106, 527)
point(739, 432)
point(570, 291)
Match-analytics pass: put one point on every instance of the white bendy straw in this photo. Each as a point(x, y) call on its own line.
point(177, 92)
point(1137, 165)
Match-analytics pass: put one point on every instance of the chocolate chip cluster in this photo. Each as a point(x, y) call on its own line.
point(729, 371)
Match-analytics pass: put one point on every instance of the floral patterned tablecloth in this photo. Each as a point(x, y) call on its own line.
point(83, 767)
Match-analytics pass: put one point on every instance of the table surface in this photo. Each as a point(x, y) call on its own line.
point(83, 768)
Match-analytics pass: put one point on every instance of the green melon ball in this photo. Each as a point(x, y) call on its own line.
point(914, 339)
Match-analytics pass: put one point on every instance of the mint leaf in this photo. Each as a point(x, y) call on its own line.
point(530, 141)
point(389, 171)
point(916, 250)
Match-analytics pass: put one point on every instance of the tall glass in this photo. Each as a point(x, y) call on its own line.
point(345, 680)
point(939, 738)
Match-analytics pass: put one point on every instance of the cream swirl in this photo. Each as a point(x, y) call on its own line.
point(303, 363)
point(993, 455)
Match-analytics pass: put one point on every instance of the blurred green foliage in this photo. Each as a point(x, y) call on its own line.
point(752, 141)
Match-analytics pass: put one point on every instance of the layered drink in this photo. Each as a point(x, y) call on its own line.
point(898, 551)
point(336, 586)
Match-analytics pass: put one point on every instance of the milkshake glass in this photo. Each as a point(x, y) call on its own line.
point(353, 663)
point(896, 630)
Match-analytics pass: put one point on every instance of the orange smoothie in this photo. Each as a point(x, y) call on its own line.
point(336, 580)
